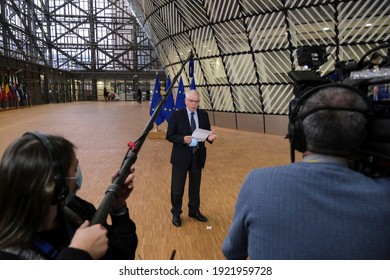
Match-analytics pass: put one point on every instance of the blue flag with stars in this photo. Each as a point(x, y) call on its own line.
point(155, 99)
point(193, 86)
point(191, 68)
point(180, 98)
point(169, 104)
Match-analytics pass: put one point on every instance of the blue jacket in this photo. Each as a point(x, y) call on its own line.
point(308, 211)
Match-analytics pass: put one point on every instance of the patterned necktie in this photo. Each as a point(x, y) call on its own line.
point(193, 127)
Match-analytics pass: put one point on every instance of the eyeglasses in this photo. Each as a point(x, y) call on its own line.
point(193, 101)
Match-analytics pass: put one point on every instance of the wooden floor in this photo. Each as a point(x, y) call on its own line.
point(101, 132)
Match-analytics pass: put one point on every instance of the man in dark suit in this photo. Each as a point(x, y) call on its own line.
point(188, 156)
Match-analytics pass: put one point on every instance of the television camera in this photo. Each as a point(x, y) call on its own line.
point(372, 77)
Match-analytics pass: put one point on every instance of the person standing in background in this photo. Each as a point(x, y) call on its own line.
point(139, 96)
point(105, 93)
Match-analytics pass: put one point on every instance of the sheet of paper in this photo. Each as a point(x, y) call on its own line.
point(200, 134)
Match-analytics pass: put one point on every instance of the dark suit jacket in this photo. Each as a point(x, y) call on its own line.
point(178, 127)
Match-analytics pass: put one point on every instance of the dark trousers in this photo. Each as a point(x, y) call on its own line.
point(178, 181)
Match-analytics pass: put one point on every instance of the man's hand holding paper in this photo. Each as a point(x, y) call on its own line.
point(202, 134)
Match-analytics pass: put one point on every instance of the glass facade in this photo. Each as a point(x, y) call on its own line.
point(244, 49)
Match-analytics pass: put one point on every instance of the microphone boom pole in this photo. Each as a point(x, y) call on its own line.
point(130, 158)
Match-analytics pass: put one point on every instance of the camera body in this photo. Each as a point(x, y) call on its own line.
point(373, 156)
point(311, 56)
point(373, 80)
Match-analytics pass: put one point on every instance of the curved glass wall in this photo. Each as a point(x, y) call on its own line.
point(245, 48)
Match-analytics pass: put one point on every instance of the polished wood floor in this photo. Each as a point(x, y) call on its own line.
point(101, 132)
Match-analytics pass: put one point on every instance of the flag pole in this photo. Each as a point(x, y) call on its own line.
point(130, 158)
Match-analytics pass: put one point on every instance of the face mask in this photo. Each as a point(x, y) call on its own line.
point(194, 142)
point(79, 178)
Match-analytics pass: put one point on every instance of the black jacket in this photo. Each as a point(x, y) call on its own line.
point(178, 127)
point(122, 235)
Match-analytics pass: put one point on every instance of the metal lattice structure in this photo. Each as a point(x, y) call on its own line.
point(245, 48)
point(78, 35)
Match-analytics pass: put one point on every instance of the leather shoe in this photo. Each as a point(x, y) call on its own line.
point(176, 221)
point(198, 216)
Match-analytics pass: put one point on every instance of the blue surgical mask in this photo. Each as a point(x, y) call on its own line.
point(194, 142)
point(79, 178)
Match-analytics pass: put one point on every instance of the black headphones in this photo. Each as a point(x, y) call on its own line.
point(61, 189)
point(296, 133)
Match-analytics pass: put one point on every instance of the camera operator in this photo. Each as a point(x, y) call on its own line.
point(318, 208)
point(379, 60)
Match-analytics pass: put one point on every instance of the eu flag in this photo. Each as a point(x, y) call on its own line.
point(191, 68)
point(180, 102)
point(155, 100)
point(169, 104)
point(193, 86)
